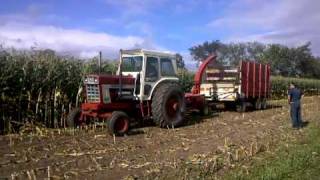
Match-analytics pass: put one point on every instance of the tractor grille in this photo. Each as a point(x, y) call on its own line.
point(93, 93)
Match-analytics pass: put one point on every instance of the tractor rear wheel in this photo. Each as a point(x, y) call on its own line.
point(168, 105)
point(73, 119)
point(118, 123)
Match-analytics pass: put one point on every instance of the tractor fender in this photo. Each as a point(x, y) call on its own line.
point(163, 80)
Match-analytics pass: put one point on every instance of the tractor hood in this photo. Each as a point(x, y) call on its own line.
point(108, 79)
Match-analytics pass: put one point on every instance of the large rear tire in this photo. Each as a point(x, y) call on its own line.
point(73, 119)
point(118, 123)
point(168, 105)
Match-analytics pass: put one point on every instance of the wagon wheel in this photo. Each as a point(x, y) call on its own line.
point(241, 107)
point(205, 110)
point(264, 103)
point(257, 104)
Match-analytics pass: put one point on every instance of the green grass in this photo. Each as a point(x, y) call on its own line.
point(300, 160)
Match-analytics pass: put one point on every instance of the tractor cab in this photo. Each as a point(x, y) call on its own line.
point(149, 68)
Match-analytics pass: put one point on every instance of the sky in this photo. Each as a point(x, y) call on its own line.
point(82, 28)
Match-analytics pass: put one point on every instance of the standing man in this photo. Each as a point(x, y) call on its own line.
point(294, 96)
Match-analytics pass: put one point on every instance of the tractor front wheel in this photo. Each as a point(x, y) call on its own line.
point(118, 123)
point(168, 105)
point(73, 119)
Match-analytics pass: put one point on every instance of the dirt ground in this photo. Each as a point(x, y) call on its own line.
point(91, 154)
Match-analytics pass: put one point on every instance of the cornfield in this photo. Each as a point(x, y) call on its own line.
point(41, 87)
point(279, 86)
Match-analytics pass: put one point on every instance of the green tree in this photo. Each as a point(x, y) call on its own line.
point(180, 61)
point(292, 62)
point(284, 60)
point(202, 51)
point(228, 54)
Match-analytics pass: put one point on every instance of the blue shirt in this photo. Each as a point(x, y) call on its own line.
point(295, 95)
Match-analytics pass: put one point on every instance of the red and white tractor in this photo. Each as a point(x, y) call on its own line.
point(146, 87)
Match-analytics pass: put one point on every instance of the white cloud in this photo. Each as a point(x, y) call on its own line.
point(286, 22)
point(74, 41)
point(33, 28)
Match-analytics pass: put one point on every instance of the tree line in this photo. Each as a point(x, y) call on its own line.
point(285, 61)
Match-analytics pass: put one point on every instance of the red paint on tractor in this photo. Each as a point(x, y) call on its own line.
point(102, 110)
point(112, 79)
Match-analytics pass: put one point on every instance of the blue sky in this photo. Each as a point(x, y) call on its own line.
point(82, 28)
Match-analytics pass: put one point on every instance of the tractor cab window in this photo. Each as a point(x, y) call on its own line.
point(167, 67)
point(152, 69)
point(132, 64)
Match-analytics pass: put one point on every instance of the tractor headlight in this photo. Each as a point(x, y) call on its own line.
point(91, 80)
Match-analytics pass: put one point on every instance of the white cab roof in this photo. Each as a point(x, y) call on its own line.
point(148, 52)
